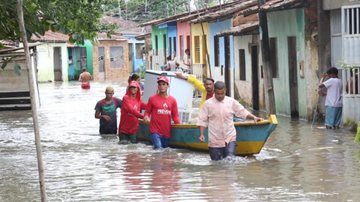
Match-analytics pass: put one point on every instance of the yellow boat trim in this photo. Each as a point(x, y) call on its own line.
point(242, 148)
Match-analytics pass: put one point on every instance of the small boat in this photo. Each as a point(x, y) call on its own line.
point(250, 138)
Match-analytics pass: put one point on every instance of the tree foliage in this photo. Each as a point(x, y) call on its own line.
point(80, 19)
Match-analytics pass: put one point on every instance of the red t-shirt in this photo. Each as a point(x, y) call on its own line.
point(162, 110)
point(130, 112)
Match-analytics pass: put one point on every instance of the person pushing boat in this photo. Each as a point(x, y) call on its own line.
point(217, 114)
point(161, 108)
point(105, 111)
point(130, 113)
point(206, 88)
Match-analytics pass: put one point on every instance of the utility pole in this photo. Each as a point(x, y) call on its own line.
point(31, 78)
point(265, 50)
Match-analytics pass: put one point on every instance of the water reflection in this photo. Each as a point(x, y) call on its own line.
point(298, 163)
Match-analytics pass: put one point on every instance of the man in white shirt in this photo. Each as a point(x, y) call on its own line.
point(217, 114)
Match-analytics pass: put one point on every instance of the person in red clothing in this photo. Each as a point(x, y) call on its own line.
point(161, 108)
point(130, 112)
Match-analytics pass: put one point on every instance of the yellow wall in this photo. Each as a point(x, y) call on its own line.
point(200, 29)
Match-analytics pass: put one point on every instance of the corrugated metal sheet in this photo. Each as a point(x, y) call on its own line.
point(51, 37)
point(244, 29)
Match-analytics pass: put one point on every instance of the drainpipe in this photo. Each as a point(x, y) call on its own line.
point(265, 49)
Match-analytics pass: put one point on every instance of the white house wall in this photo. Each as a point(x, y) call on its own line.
point(46, 61)
point(245, 87)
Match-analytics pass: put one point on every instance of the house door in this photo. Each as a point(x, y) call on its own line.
point(57, 64)
point(227, 66)
point(164, 40)
point(293, 82)
point(255, 77)
point(101, 57)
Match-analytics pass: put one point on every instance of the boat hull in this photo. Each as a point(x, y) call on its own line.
point(250, 137)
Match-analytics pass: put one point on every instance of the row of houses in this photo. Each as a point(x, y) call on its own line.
point(107, 58)
point(305, 38)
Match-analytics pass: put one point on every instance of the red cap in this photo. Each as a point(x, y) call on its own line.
point(133, 84)
point(163, 78)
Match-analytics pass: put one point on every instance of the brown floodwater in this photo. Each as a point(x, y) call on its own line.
point(298, 162)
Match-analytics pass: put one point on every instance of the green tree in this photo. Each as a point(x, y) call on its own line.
point(80, 19)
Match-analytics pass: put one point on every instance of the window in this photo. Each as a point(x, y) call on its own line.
point(204, 49)
point(130, 46)
point(216, 51)
point(116, 57)
point(164, 46)
point(188, 41)
point(273, 57)
point(156, 45)
point(139, 50)
point(170, 46)
point(174, 41)
point(181, 41)
point(352, 18)
point(242, 65)
point(197, 49)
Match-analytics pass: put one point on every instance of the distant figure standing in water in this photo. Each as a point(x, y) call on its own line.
point(105, 111)
point(85, 78)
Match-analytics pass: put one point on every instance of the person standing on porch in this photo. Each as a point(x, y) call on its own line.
point(217, 115)
point(333, 100)
point(85, 78)
point(161, 108)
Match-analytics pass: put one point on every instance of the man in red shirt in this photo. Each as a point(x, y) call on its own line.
point(161, 107)
point(130, 112)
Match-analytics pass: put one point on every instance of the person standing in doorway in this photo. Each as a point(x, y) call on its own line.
point(187, 61)
point(161, 109)
point(85, 78)
point(333, 100)
point(171, 65)
point(105, 111)
point(71, 68)
point(130, 113)
point(217, 115)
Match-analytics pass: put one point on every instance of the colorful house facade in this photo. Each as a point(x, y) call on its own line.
point(111, 59)
point(295, 80)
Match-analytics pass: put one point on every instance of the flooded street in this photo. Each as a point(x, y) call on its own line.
point(298, 162)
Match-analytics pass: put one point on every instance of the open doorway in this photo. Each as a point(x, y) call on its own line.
point(227, 66)
point(57, 64)
point(255, 76)
point(293, 82)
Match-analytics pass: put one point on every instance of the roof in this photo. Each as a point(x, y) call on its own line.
point(188, 16)
point(125, 26)
point(244, 29)
point(272, 5)
point(114, 37)
point(226, 12)
point(51, 36)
